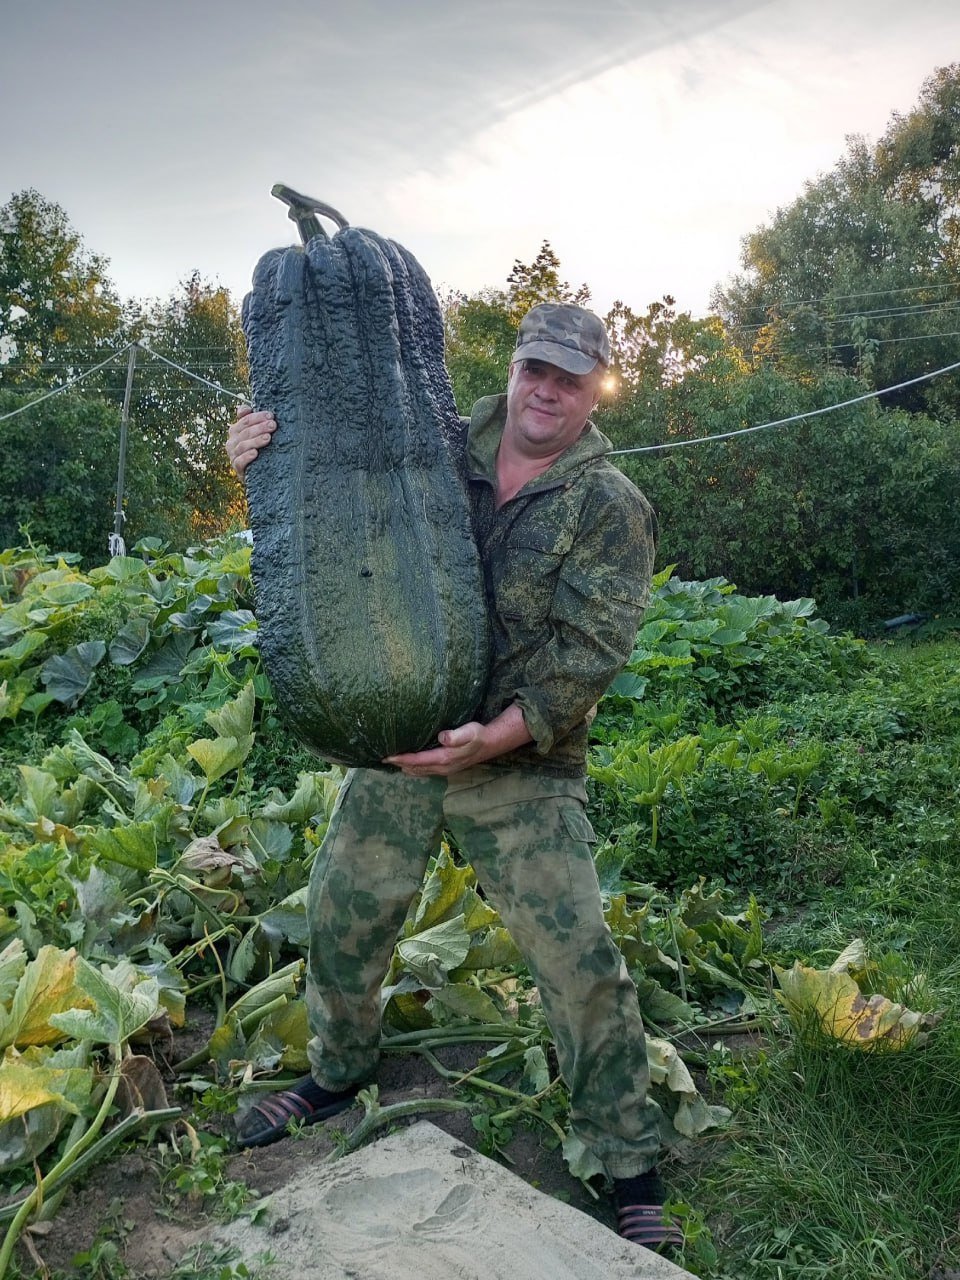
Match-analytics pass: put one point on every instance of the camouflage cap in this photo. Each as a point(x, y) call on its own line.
point(562, 334)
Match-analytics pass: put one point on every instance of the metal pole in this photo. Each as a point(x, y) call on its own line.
point(116, 545)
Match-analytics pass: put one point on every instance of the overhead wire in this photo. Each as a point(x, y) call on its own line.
point(782, 422)
point(72, 382)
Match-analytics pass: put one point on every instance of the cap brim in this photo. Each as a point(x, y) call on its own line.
point(556, 353)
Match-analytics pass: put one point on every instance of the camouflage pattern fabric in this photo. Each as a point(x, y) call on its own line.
point(567, 564)
point(529, 841)
point(565, 335)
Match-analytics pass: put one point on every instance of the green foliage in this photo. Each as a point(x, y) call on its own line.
point(865, 258)
point(58, 309)
point(480, 332)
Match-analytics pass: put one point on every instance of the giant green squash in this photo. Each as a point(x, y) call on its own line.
point(368, 588)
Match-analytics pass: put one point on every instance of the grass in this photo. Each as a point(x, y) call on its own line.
point(840, 1163)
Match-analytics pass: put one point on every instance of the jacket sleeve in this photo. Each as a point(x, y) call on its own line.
point(601, 592)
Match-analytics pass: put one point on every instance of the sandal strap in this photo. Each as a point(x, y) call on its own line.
point(282, 1107)
point(643, 1224)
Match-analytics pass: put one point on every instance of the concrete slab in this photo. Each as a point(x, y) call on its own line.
point(419, 1206)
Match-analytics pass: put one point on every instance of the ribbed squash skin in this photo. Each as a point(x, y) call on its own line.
point(369, 591)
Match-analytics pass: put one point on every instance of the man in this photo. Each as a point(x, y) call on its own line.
point(567, 545)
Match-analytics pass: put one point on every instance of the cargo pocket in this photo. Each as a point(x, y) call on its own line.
point(578, 825)
point(584, 886)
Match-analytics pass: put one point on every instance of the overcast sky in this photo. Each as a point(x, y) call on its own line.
point(642, 138)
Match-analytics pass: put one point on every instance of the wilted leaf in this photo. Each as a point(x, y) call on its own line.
point(35, 1099)
point(829, 1003)
point(50, 985)
point(432, 954)
point(205, 854)
point(141, 1087)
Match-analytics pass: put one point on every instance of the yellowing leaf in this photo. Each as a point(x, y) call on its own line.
point(828, 1002)
point(48, 987)
point(217, 756)
point(23, 1087)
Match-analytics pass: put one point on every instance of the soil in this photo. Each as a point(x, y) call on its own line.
point(131, 1204)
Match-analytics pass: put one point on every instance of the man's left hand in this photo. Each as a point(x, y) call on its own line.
point(459, 749)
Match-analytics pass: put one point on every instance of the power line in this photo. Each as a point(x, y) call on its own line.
point(72, 382)
point(782, 422)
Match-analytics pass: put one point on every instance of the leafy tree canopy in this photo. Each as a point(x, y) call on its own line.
point(863, 269)
point(58, 307)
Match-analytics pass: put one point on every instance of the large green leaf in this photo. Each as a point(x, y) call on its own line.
point(15, 654)
point(61, 593)
point(235, 718)
point(233, 629)
point(165, 666)
point(132, 845)
point(117, 1012)
point(67, 676)
point(130, 641)
point(432, 954)
point(219, 756)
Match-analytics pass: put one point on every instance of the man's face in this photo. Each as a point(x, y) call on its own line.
point(547, 407)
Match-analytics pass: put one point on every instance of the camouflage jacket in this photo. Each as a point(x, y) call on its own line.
point(567, 564)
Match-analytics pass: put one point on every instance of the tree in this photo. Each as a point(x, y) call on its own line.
point(182, 422)
point(481, 330)
point(861, 271)
point(58, 472)
point(59, 311)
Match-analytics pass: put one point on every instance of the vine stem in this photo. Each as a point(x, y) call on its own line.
point(35, 1199)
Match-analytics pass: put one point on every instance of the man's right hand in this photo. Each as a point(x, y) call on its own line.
point(248, 435)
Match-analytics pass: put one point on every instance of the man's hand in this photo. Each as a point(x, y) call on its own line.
point(470, 745)
point(248, 435)
point(459, 749)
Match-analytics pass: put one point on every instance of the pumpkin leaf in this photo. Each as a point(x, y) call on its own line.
point(233, 629)
point(117, 1012)
point(235, 718)
point(67, 676)
point(829, 1003)
point(218, 756)
point(464, 1000)
point(24, 1086)
point(130, 641)
point(49, 985)
point(432, 954)
point(132, 845)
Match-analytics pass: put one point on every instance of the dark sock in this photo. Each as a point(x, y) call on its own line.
point(643, 1188)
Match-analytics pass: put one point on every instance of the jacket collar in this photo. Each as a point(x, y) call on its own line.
point(483, 440)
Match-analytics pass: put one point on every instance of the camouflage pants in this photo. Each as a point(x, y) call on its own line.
point(528, 839)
